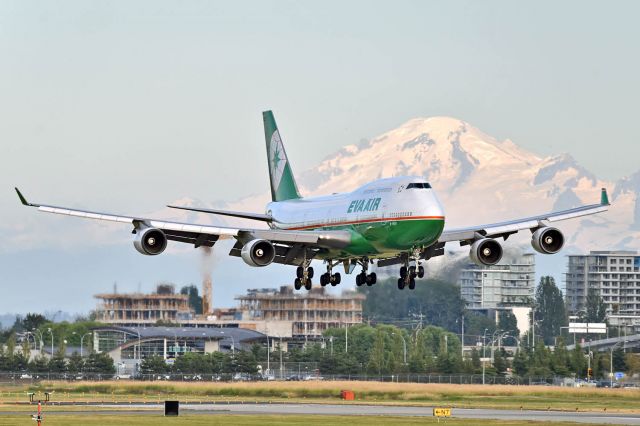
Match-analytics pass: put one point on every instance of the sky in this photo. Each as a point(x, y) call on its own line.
point(126, 106)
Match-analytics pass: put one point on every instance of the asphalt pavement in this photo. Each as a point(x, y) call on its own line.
point(352, 410)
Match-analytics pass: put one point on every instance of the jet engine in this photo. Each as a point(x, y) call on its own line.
point(150, 241)
point(258, 253)
point(547, 240)
point(486, 252)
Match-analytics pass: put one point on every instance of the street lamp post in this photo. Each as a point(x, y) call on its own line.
point(82, 341)
point(35, 330)
point(611, 362)
point(493, 337)
point(484, 352)
point(268, 357)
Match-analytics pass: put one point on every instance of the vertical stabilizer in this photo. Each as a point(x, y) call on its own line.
point(283, 185)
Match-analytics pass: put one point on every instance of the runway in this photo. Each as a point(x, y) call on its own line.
point(355, 410)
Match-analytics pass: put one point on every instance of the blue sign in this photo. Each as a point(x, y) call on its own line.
point(618, 375)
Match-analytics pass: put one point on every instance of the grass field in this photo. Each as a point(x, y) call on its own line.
point(463, 396)
point(247, 420)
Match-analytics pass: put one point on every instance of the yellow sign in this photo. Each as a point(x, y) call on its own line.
point(442, 412)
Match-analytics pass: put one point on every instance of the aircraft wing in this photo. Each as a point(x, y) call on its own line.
point(504, 229)
point(290, 245)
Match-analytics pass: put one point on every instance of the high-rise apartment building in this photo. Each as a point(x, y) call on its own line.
point(510, 283)
point(614, 275)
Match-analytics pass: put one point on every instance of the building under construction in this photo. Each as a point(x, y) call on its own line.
point(140, 309)
point(311, 313)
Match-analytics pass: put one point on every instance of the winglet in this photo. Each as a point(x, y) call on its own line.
point(24, 200)
point(604, 199)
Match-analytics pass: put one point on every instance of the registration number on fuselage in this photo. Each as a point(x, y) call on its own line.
point(367, 205)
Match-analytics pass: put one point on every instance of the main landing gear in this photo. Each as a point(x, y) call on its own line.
point(304, 274)
point(328, 277)
point(364, 278)
point(408, 274)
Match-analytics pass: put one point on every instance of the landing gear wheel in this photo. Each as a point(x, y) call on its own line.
point(325, 279)
point(400, 284)
point(420, 271)
point(335, 279)
point(371, 279)
point(307, 284)
point(361, 278)
point(412, 283)
point(412, 271)
point(297, 284)
point(310, 272)
point(300, 272)
point(403, 272)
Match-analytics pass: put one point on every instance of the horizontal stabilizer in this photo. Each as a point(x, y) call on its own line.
point(242, 215)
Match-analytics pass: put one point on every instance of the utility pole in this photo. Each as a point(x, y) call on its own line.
point(533, 329)
point(462, 349)
point(346, 338)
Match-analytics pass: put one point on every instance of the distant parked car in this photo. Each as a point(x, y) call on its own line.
point(26, 376)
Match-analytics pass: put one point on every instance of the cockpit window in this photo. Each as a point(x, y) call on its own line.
point(419, 185)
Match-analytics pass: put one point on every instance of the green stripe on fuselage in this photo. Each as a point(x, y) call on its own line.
point(368, 239)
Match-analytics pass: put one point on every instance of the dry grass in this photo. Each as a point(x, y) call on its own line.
point(487, 396)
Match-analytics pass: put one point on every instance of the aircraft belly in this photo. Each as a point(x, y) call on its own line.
point(371, 239)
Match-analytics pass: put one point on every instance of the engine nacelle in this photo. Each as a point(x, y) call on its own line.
point(486, 252)
point(258, 253)
point(547, 240)
point(150, 241)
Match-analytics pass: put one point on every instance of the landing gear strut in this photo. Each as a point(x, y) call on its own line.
point(304, 273)
point(329, 277)
point(364, 278)
point(408, 273)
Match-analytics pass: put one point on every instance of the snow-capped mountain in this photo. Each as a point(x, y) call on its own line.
point(480, 179)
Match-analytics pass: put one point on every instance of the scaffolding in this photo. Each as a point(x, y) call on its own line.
point(311, 313)
point(163, 305)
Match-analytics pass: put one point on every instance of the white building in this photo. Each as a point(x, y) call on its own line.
point(510, 283)
point(615, 275)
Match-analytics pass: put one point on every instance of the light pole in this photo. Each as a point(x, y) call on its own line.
point(493, 336)
point(51, 332)
point(484, 352)
point(82, 340)
point(611, 363)
point(462, 340)
point(268, 357)
point(39, 337)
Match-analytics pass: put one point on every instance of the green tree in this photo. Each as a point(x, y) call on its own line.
point(100, 363)
point(550, 313)
point(499, 361)
point(596, 310)
point(154, 364)
point(437, 302)
point(75, 364)
point(507, 322)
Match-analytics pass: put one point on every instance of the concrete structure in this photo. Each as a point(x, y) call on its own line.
point(143, 309)
point(311, 313)
point(508, 284)
point(615, 276)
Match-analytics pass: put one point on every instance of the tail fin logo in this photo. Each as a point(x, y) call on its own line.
point(277, 159)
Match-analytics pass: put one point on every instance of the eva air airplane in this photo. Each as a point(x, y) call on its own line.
point(393, 221)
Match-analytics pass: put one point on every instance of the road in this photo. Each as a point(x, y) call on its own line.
point(358, 410)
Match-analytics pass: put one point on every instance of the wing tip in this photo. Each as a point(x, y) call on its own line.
point(604, 198)
point(22, 199)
